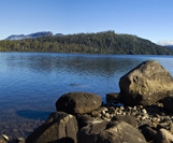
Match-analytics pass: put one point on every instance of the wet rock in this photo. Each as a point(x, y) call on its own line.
point(78, 102)
point(58, 126)
point(146, 84)
point(118, 132)
point(163, 136)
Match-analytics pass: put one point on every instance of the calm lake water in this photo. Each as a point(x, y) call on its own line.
point(31, 83)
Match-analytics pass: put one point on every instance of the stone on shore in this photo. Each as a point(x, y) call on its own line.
point(163, 136)
point(120, 132)
point(128, 119)
point(90, 132)
point(148, 132)
point(78, 102)
point(4, 138)
point(58, 127)
point(146, 84)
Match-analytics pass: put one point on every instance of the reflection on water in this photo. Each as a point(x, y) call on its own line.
point(30, 83)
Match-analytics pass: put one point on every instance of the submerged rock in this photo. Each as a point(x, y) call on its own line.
point(146, 84)
point(78, 102)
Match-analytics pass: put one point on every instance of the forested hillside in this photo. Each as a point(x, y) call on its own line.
point(95, 43)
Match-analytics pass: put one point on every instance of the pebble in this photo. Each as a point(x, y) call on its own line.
point(5, 137)
point(122, 108)
point(107, 115)
point(134, 108)
point(95, 114)
point(144, 111)
point(20, 140)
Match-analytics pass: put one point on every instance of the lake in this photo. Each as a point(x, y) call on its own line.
point(31, 83)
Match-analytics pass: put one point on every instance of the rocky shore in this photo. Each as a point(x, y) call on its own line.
point(141, 113)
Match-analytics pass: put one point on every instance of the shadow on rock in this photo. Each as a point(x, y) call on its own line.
point(65, 140)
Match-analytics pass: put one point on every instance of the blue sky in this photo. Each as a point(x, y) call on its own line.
point(149, 19)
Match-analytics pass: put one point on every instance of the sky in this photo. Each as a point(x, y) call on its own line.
point(148, 19)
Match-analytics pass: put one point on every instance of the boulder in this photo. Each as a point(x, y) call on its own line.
point(130, 119)
point(163, 136)
point(89, 133)
point(148, 132)
point(146, 84)
point(78, 102)
point(59, 127)
point(120, 132)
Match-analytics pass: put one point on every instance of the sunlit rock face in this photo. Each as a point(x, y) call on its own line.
point(59, 127)
point(146, 84)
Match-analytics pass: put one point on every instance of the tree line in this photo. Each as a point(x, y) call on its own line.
point(91, 43)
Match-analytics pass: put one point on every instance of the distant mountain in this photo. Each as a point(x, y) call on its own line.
point(169, 46)
point(33, 35)
point(59, 34)
point(107, 42)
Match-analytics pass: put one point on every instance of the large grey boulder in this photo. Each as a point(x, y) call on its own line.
point(109, 132)
point(146, 84)
point(78, 102)
point(59, 127)
point(89, 133)
point(120, 132)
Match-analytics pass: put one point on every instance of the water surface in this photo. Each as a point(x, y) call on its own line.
point(30, 83)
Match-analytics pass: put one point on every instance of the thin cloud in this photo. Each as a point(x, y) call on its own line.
point(165, 42)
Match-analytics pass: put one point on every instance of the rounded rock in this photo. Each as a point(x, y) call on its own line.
point(78, 102)
point(144, 111)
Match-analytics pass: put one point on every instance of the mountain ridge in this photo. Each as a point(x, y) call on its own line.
point(107, 42)
point(32, 35)
point(169, 46)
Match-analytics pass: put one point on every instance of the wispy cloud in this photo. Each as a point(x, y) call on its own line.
point(165, 42)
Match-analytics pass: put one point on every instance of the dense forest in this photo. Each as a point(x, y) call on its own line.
point(96, 43)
